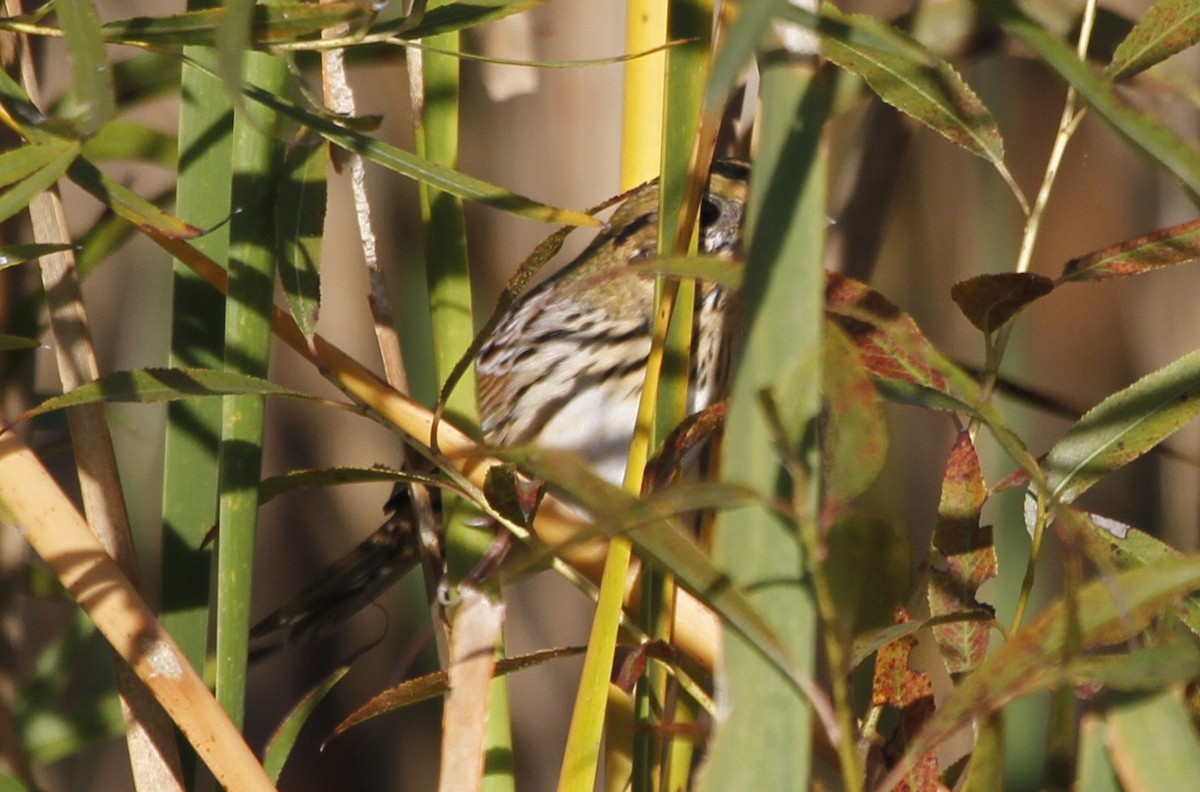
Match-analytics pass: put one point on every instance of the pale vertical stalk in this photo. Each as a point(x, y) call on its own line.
point(436, 116)
point(150, 739)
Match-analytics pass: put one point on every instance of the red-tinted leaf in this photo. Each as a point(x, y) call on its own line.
point(1105, 612)
point(962, 558)
point(1170, 26)
point(889, 342)
point(856, 436)
point(1165, 247)
point(989, 301)
point(896, 685)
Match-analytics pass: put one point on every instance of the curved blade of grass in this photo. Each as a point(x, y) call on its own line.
point(93, 97)
point(1107, 611)
point(11, 342)
point(425, 687)
point(1165, 247)
point(296, 480)
point(1124, 426)
point(1168, 27)
point(148, 386)
point(1146, 135)
point(120, 139)
point(451, 17)
point(264, 24)
point(12, 255)
point(414, 167)
point(300, 229)
point(127, 203)
point(21, 162)
point(279, 745)
point(17, 197)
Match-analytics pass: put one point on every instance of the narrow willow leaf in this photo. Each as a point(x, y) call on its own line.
point(17, 197)
point(128, 204)
point(1165, 247)
point(856, 440)
point(267, 24)
point(93, 97)
point(916, 82)
point(986, 770)
point(21, 162)
point(437, 684)
point(1135, 549)
point(1152, 668)
point(1168, 27)
point(12, 255)
point(1107, 611)
point(10, 342)
point(148, 386)
point(1094, 771)
point(279, 745)
point(1146, 135)
point(1153, 742)
point(962, 558)
point(451, 17)
point(300, 228)
point(121, 140)
point(419, 169)
point(990, 301)
point(296, 480)
point(1124, 426)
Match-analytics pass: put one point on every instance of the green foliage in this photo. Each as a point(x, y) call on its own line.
point(816, 568)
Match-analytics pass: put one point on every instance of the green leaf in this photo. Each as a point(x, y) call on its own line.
point(11, 342)
point(1153, 742)
point(122, 140)
point(300, 228)
point(1168, 27)
point(127, 203)
point(1108, 611)
point(94, 99)
point(19, 163)
point(914, 81)
point(1134, 548)
point(868, 567)
point(856, 440)
point(451, 17)
point(17, 197)
point(419, 169)
point(1124, 426)
point(279, 745)
point(147, 386)
point(1165, 247)
point(1146, 135)
point(295, 480)
point(277, 23)
point(12, 255)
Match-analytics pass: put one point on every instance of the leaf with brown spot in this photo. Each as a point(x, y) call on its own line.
point(989, 301)
point(1165, 247)
point(911, 692)
point(962, 558)
point(1168, 27)
point(889, 342)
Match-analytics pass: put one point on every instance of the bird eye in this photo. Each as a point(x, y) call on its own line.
point(710, 212)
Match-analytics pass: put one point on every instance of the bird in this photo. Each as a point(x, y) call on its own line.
point(563, 369)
